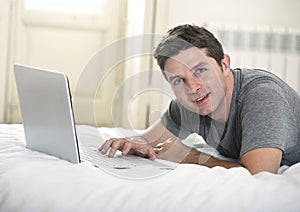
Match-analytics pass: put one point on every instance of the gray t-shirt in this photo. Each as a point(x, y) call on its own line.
point(264, 112)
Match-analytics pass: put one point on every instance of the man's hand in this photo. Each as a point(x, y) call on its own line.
point(171, 149)
point(153, 142)
point(134, 145)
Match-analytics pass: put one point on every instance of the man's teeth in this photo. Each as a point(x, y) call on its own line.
point(201, 98)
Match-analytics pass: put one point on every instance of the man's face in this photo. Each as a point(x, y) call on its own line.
point(197, 81)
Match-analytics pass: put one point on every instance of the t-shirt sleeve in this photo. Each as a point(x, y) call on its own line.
point(267, 119)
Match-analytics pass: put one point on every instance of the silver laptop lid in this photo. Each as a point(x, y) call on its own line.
point(48, 120)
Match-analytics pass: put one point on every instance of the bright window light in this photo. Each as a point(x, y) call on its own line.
point(135, 16)
point(74, 6)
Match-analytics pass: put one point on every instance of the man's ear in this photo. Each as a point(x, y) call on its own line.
point(226, 64)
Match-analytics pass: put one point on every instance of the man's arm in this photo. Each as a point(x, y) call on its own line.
point(262, 159)
point(159, 142)
point(176, 151)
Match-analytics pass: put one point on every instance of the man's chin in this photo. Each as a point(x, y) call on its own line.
point(199, 112)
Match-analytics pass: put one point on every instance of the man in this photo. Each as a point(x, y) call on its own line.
point(246, 114)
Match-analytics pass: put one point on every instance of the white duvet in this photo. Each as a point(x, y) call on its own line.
point(32, 181)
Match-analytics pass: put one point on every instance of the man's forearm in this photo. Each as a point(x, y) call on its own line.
point(196, 157)
point(177, 152)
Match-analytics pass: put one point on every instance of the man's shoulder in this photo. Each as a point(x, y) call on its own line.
point(249, 79)
point(259, 87)
point(256, 75)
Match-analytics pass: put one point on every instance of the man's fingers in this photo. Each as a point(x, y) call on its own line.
point(144, 151)
point(126, 148)
point(105, 147)
point(112, 145)
point(151, 154)
point(117, 144)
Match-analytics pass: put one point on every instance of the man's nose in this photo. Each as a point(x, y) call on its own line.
point(193, 84)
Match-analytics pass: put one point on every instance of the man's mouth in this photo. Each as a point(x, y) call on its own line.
point(201, 99)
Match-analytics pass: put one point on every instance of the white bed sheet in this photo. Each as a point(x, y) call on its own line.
point(32, 181)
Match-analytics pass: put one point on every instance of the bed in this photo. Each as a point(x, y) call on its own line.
point(33, 181)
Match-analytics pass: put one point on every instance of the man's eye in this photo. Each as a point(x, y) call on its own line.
point(199, 71)
point(177, 81)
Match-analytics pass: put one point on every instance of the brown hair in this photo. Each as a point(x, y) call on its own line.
point(183, 37)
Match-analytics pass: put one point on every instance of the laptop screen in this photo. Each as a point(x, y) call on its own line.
point(47, 114)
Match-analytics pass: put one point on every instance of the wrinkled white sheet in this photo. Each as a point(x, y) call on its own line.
point(32, 181)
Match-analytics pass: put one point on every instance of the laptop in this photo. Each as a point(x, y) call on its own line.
point(49, 125)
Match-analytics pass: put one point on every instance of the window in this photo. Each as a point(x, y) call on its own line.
point(79, 14)
point(74, 6)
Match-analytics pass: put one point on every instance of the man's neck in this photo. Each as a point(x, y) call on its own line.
point(221, 114)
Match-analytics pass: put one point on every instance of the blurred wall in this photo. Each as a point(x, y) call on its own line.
point(258, 33)
point(69, 42)
point(239, 12)
point(59, 41)
point(5, 42)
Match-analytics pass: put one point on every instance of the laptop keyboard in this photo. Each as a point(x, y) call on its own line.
point(100, 160)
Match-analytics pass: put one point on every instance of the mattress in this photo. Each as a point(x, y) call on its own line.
point(34, 181)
